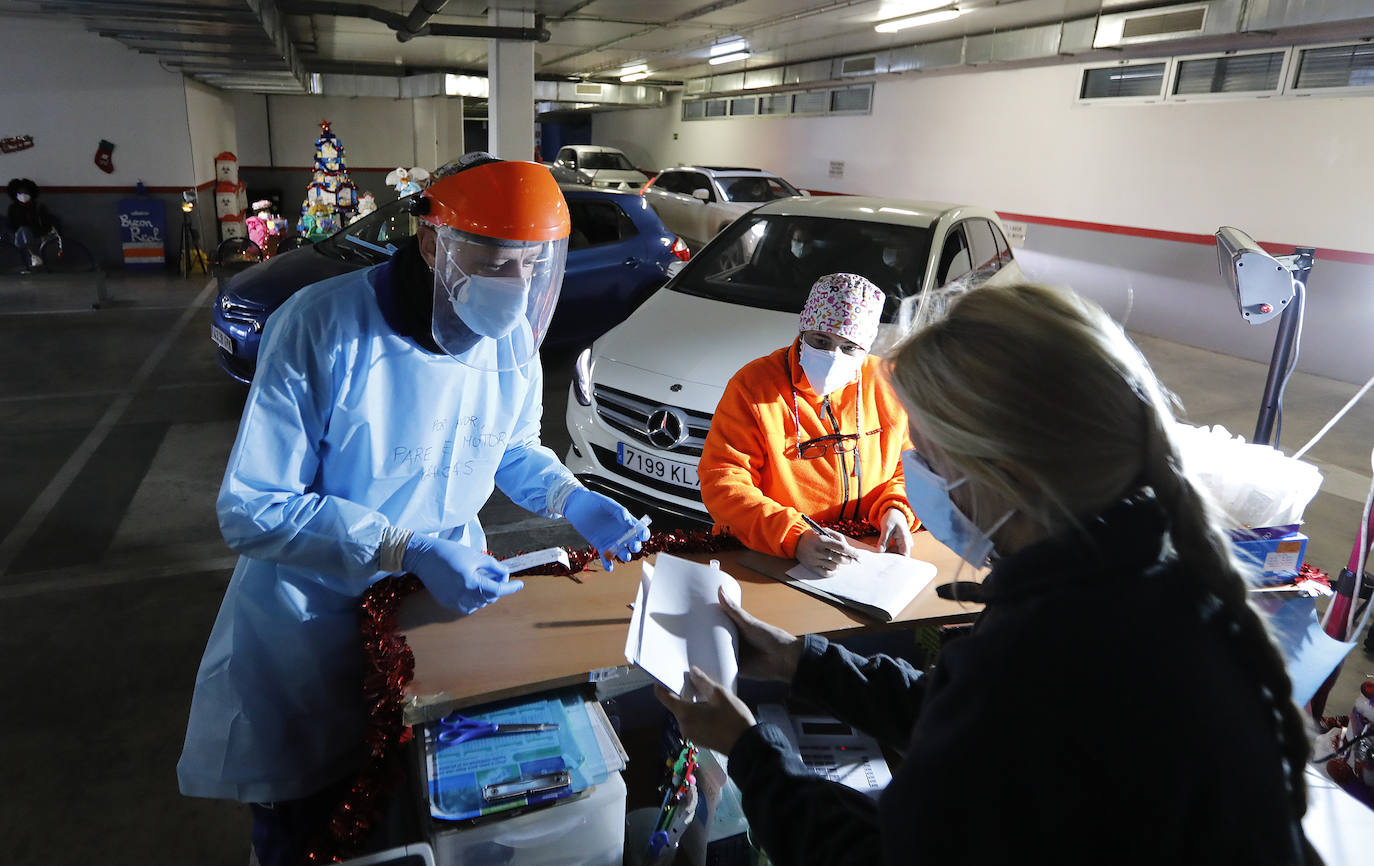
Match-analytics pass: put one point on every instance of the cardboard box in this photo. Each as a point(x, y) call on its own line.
point(1274, 552)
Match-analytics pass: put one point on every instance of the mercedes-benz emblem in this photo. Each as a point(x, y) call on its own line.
point(666, 428)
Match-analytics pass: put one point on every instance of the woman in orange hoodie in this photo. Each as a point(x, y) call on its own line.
point(812, 429)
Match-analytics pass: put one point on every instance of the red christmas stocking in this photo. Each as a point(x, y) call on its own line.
point(104, 156)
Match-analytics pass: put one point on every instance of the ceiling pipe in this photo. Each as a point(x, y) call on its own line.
point(401, 23)
point(417, 19)
point(537, 33)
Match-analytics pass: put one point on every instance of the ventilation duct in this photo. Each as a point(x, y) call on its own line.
point(859, 65)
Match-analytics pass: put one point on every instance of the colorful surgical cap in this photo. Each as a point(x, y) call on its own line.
point(846, 305)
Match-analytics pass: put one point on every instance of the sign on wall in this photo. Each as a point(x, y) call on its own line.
point(143, 232)
point(1016, 233)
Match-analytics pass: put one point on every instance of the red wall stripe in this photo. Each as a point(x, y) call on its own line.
point(1348, 256)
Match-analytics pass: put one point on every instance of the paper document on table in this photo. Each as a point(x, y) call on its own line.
point(678, 622)
point(878, 584)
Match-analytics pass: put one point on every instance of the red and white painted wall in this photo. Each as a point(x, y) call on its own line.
point(1118, 201)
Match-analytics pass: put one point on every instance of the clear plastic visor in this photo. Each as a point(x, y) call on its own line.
point(494, 299)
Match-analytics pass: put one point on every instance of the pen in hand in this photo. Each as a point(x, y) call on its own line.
point(828, 533)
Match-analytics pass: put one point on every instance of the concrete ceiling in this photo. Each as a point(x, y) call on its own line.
point(276, 45)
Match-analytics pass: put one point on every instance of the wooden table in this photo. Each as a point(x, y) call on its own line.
point(556, 632)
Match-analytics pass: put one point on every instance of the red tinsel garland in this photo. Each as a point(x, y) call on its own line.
point(390, 664)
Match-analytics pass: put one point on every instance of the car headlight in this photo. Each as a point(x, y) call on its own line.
point(582, 377)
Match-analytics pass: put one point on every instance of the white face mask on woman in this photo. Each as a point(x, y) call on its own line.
point(829, 371)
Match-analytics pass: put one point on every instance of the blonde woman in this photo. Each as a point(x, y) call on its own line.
point(1117, 702)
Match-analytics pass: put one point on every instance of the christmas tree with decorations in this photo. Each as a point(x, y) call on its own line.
point(331, 199)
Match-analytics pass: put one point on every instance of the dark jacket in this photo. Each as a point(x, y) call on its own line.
point(32, 216)
point(1097, 713)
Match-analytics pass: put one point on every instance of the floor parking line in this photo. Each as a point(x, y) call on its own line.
point(37, 512)
point(68, 579)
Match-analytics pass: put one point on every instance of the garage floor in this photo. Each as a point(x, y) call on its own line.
point(116, 424)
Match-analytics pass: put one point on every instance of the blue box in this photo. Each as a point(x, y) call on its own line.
point(1274, 552)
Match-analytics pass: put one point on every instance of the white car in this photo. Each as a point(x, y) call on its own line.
point(642, 396)
point(696, 202)
point(594, 165)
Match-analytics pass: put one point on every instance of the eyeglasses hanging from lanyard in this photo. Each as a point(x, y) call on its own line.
point(832, 443)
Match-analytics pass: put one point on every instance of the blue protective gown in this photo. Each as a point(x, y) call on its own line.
point(349, 428)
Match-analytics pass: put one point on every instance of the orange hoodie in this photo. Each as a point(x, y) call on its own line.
point(756, 486)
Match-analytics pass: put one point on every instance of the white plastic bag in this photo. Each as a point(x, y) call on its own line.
point(1254, 485)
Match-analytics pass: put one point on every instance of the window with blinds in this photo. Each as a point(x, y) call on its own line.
point(1237, 73)
point(1335, 66)
point(1115, 82)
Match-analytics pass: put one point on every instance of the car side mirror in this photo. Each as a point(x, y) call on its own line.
point(805, 193)
point(701, 194)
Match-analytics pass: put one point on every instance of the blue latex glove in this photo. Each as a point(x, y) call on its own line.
point(457, 576)
point(603, 522)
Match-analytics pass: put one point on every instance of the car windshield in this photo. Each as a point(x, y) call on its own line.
point(771, 261)
point(373, 238)
point(755, 188)
point(598, 159)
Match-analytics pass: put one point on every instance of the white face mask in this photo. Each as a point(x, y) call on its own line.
point(798, 249)
point(829, 371)
point(492, 306)
point(890, 258)
point(24, 198)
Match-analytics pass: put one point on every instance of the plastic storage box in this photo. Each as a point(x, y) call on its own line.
point(587, 829)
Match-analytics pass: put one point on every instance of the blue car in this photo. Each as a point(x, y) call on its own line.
point(619, 253)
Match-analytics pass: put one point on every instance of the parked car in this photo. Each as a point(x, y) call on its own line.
point(696, 202)
point(618, 254)
point(597, 166)
point(642, 396)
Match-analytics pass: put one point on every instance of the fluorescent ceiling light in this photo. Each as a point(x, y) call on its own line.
point(467, 85)
point(638, 76)
point(728, 58)
point(732, 47)
point(902, 8)
point(917, 20)
point(635, 68)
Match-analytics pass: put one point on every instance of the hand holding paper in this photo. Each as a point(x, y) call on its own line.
point(678, 623)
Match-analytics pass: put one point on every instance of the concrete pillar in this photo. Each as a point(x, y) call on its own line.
point(510, 107)
point(450, 126)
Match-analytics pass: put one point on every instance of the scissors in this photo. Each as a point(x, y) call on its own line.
point(458, 728)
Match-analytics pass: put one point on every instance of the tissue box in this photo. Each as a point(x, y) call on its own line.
point(1275, 552)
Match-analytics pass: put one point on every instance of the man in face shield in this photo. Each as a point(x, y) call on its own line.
point(386, 406)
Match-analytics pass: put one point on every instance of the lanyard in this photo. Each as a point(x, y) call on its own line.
point(858, 439)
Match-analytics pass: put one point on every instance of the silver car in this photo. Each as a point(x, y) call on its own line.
point(696, 202)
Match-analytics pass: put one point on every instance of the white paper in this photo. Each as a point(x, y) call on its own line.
point(678, 622)
point(884, 582)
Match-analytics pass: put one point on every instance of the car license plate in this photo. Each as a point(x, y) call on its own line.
point(223, 340)
point(681, 474)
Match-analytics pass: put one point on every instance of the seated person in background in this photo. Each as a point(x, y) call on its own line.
point(811, 429)
point(28, 219)
point(799, 263)
point(1116, 661)
point(894, 273)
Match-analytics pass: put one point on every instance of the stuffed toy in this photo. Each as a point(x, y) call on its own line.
point(366, 205)
point(407, 181)
point(28, 219)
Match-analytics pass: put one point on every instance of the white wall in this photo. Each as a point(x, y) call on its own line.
point(211, 117)
point(376, 132)
point(1288, 171)
point(69, 89)
point(251, 130)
